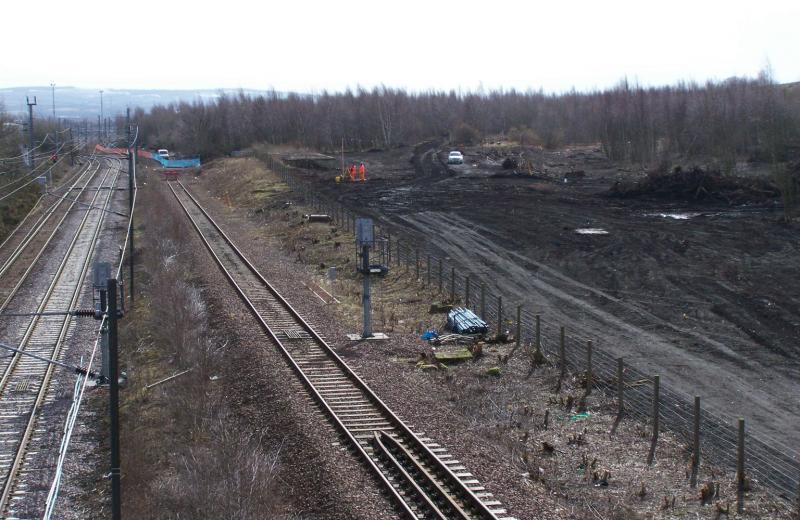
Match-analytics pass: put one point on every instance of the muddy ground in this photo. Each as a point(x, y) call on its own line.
point(692, 288)
point(515, 430)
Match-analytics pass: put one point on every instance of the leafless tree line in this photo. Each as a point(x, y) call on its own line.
point(754, 119)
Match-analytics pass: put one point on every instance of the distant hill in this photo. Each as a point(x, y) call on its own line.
point(78, 103)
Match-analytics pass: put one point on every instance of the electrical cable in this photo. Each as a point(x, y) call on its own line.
point(41, 164)
point(34, 179)
point(33, 208)
point(81, 383)
point(69, 428)
point(22, 155)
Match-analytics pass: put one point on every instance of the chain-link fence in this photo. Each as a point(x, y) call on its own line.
point(767, 461)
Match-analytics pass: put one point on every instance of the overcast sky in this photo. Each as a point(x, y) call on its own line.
point(310, 46)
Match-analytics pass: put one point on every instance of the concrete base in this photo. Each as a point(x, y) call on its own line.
point(376, 336)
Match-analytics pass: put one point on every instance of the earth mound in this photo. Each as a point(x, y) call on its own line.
point(698, 185)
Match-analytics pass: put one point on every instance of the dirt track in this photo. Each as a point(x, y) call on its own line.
point(708, 300)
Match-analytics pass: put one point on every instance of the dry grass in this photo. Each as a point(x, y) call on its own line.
point(323, 245)
point(183, 454)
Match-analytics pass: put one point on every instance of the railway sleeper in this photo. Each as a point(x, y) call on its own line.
point(426, 479)
point(341, 392)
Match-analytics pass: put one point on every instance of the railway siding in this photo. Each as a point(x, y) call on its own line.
point(425, 480)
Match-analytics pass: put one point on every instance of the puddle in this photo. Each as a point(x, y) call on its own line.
point(675, 216)
point(591, 231)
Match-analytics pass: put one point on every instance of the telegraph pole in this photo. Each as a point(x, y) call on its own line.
point(30, 128)
point(130, 193)
point(55, 121)
point(72, 146)
point(113, 376)
point(130, 156)
point(101, 120)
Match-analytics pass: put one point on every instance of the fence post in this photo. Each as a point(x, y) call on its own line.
point(620, 388)
point(519, 326)
point(562, 357)
point(466, 292)
point(656, 384)
point(389, 249)
point(441, 280)
point(453, 285)
point(538, 333)
point(483, 301)
point(429, 272)
point(740, 469)
point(620, 394)
point(499, 314)
point(416, 260)
point(695, 442)
point(398, 253)
point(589, 374)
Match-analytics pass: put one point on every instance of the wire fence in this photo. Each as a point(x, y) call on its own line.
point(767, 461)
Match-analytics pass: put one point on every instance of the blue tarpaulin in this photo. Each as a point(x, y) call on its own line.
point(177, 163)
point(429, 334)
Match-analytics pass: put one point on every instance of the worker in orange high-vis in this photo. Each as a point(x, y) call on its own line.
point(352, 171)
point(362, 170)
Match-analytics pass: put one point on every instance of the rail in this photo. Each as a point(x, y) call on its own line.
point(17, 259)
point(20, 415)
point(354, 409)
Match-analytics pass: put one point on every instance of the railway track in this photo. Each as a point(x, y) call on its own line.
point(25, 388)
point(28, 246)
point(425, 481)
point(42, 205)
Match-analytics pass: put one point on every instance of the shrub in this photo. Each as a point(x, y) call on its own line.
point(465, 134)
point(510, 163)
point(524, 136)
point(786, 180)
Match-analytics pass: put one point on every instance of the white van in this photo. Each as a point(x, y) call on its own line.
point(455, 157)
point(163, 153)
